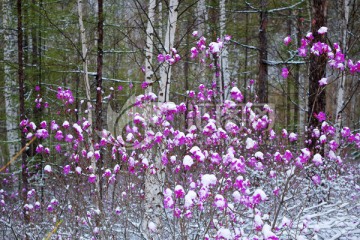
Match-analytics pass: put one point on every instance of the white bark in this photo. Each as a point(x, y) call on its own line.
point(344, 18)
point(201, 17)
point(153, 204)
point(165, 71)
point(224, 62)
point(10, 86)
point(88, 98)
point(149, 48)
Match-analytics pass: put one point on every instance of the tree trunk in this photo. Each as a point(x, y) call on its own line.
point(21, 79)
point(153, 204)
point(343, 21)
point(84, 57)
point(201, 17)
point(224, 60)
point(262, 84)
point(11, 103)
point(149, 48)
point(165, 71)
point(98, 113)
point(317, 99)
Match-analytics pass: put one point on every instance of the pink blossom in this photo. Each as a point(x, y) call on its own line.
point(287, 40)
point(42, 134)
point(195, 33)
point(92, 178)
point(323, 82)
point(321, 116)
point(179, 191)
point(309, 36)
point(161, 58)
point(316, 179)
point(43, 124)
point(285, 73)
point(66, 169)
point(302, 51)
point(227, 38)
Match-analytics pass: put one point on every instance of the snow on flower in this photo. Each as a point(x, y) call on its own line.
point(188, 162)
point(287, 40)
point(268, 234)
point(92, 178)
point(42, 134)
point(47, 169)
point(214, 47)
point(152, 226)
point(236, 94)
point(224, 233)
point(323, 82)
point(250, 144)
point(317, 159)
point(316, 179)
point(258, 222)
point(259, 196)
point(322, 30)
point(190, 198)
point(292, 137)
point(66, 169)
point(208, 180)
point(220, 202)
point(179, 191)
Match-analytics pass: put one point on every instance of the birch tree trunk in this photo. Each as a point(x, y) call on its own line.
point(343, 21)
point(149, 48)
point(153, 206)
point(201, 17)
point(84, 57)
point(11, 104)
point(165, 71)
point(225, 74)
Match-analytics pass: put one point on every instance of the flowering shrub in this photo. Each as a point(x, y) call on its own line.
point(225, 177)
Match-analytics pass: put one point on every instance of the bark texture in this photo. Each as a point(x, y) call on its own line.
point(317, 97)
point(262, 84)
point(11, 103)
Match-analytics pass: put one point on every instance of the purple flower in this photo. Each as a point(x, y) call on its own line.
point(69, 138)
point(37, 88)
point(50, 208)
point(39, 148)
point(284, 73)
point(144, 85)
point(42, 134)
point(316, 179)
point(66, 169)
point(92, 178)
point(160, 58)
point(321, 116)
point(323, 82)
point(179, 191)
point(287, 40)
point(302, 52)
point(43, 124)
